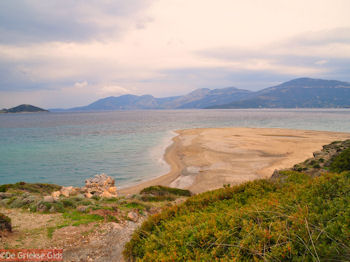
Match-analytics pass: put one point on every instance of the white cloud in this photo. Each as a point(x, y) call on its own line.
point(113, 90)
point(81, 84)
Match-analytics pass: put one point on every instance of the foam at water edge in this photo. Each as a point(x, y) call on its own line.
point(157, 156)
point(158, 152)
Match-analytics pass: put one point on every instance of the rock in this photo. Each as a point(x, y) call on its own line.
point(5, 223)
point(66, 191)
point(106, 194)
point(88, 195)
point(49, 199)
point(56, 195)
point(41, 207)
point(101, 186)
point(28, 200)
point(4, 195)
point(82, 209)
point(112, 190)
point(133, 216)
point(52, 209)
point(318, 153)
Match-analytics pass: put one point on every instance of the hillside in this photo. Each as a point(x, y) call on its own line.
point(291, 217)
point(23, 109)
point(297, 93)
point(199, 98)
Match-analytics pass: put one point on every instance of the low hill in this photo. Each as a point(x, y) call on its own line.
point(294, 216)
point(297, 93)
point(24, 109)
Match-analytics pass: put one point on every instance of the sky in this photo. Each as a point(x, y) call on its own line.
point(66, 53)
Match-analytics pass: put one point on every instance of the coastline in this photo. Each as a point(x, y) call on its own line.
point(170, 157)
point(207, 158)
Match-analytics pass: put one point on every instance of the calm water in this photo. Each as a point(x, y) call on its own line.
point(66, 148)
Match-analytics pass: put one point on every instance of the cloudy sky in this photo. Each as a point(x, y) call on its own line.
point(65, 53)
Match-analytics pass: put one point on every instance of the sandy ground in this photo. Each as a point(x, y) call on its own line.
point(206, 159)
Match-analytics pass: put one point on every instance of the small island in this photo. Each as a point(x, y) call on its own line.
point(23, 109)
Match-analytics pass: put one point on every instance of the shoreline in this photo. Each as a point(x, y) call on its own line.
point(174, 166)
point(204, 159)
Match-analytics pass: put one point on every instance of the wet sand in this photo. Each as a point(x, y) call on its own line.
point(206, 159)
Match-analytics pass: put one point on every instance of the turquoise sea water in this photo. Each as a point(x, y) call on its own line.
point(67, 148)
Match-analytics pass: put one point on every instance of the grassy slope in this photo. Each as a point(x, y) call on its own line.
point(299, 219)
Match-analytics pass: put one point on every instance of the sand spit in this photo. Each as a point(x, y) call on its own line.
point(206, 159)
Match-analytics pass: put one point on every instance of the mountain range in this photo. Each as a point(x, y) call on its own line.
point(297, 93)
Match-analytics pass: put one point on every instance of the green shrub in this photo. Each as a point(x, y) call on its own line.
point(5, 223)
point(341, 162)
point(31, 187)
point(85, 203)
point(163, 190)
point(299, 218)
point(149, 198)
point(136, 205)
point(78, 218)
point(59, 207)
point(111, 218)
point(68, 203)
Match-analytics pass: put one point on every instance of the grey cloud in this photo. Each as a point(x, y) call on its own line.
point(23, 21)
point(15, 78)
point(282, 53)
point(310, 39)
point(218, 77)
point(336, 35)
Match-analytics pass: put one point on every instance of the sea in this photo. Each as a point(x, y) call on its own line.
point(66, 148)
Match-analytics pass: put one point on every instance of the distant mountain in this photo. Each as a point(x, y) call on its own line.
point(205, 97)
point(199, 98)
point(23, 109)
point(297, 93)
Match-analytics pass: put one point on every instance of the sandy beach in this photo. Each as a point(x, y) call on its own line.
point(206, 159)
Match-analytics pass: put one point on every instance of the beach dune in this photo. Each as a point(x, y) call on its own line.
point(206, 159)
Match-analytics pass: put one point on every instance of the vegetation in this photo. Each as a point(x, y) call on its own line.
point(341, 162)
point(297, 218)
point(162, 193)
point(77, 210)
point(30, 188)
point(5, 223)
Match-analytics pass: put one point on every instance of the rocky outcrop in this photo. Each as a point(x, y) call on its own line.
point(100, 186)
point(320, 161)
point(69, 191)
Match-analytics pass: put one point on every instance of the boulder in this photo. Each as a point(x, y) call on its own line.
point(112, 190)
point(67, 191)
point(88, 195)
point(133, 216)
point(100, 185)
point(106, 194)
point(49, 199)
point(56, 195)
